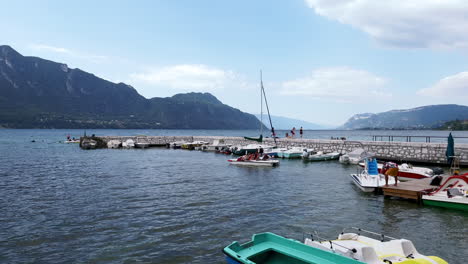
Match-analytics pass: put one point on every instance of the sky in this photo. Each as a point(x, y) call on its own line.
point(322, 60)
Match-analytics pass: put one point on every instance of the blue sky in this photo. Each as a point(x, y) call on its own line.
point(323, 61)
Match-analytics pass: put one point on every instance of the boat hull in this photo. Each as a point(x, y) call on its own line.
point(372, 250)
point(268, 248)
point(359, 184)
point(291, 155)
point(230, 260)
point(404, 174)
point(256, 163)
point(71, 141)
point(323, 157)
point(446, 204)
point(142, 145)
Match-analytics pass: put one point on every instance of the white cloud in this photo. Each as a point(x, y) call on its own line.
point(451, 87)
point(191, 77)
point(71, 53)
point(341, 84)
point(42, 47)
point(398, 23)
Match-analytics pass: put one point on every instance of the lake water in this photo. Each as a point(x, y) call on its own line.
point(61, 204)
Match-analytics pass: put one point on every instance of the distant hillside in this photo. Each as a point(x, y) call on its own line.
point(37, 93)
point(455, 125)
point(425, 117)
point(285, 123)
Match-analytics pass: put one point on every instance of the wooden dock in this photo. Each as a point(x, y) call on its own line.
point(410, 190)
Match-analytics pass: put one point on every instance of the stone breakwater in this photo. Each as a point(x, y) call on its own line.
point(396, 151)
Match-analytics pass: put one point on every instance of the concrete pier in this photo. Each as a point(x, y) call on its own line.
point(416, 152)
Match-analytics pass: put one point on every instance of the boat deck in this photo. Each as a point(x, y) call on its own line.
point(411, 189)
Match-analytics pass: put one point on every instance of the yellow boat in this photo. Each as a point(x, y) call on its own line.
point(385, 250)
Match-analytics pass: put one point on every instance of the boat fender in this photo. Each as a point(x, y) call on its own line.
point(387, 261)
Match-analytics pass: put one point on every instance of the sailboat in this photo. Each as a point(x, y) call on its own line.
point(252, 148)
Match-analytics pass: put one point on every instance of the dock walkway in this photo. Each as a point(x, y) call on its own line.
point(411, 189)
point(413, 152)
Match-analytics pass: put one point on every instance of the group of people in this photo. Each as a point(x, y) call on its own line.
point(69, 138)
point(254, 156)
point(337, 138)
point(293, 133)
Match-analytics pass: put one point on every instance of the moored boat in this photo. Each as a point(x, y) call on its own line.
point(114, 143)
point(71, 141)
point(249, 149)
point(452, 193)
point(142, 145)
point(320, 156)
point(193, 145)
point(273, 152)
point(370, 179)
point(383, 250)
point(217, 146)
point(293, 153)
point(355, 156)
point(407, 171)
point(129, 143)
point(255, 160)
point(176, 144)
point(88, 143)
point(268, 248)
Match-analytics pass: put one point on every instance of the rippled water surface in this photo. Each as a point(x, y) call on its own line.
point(60, 204)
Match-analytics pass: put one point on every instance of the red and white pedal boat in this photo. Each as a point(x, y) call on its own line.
point(255, 160)
point(407, 172)
point(453, 193)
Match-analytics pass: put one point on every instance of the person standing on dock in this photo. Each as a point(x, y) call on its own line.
point(293, 132)
point(301, 132)
point(391, 172)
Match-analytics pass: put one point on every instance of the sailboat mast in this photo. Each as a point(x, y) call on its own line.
point(268, 110)
point(261, 104)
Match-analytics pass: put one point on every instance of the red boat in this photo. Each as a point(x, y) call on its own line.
point(407, 172)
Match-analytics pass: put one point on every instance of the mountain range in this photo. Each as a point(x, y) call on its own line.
point(424, 117)
point(38, 93)
point(286, 123)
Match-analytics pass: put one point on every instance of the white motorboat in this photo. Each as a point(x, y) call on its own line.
point(307, 152)
point(114, 143)
point(452, 193)
point(129, 143)
point(280, 151)
point(355, 156)
point(320, 156)
point(88, 143)
point(194, 145)
point(383, 250)
point(370, 179)
point(408, 172)
point(248, 160)
point(249, 149)
point(273, 152)
point(293, 153)
point(142, 145)
point(72, 141)
point(218, 145)
point(176, 144)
